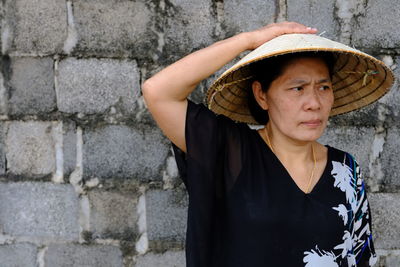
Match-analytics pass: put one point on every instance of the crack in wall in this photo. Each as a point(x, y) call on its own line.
point(158, 28)
point(375, 161)
point(5, 90)
point(72, 35)
point(40, 256)
point(57, 132)
point(345, 12)
point(76, 176)
point(3, 96)
point(170, 173)
point(6, 239)
point(280, 10)
point(219, 11)
point(142, 245)
point(84, 218)
point(7, 27)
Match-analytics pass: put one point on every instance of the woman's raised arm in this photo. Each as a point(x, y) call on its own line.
point(166, 92)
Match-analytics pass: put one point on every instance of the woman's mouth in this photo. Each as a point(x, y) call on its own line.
point(312, 123)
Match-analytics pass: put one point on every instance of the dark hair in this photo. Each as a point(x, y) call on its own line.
point(266, 71)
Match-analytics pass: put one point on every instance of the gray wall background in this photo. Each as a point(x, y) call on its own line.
point(87, 179)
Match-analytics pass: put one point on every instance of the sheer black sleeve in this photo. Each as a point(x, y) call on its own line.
point(200, 169)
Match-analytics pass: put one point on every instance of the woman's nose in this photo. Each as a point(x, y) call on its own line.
point(313, 101)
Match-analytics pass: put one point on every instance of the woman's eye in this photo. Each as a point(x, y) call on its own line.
point(324, 87)
point(297, 88)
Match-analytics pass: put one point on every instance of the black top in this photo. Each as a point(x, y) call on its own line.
point(246, 210)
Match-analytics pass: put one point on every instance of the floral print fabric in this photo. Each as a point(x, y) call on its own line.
point(357, 238)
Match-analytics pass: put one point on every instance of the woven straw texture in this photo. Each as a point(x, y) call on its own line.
point(358, 78)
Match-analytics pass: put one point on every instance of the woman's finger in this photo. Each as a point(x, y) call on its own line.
point(273, 30)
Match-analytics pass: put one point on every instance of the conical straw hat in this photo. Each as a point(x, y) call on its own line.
point(358, 78)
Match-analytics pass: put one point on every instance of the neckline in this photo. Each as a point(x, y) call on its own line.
point(287, 174)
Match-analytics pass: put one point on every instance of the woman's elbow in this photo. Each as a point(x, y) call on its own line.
point(149, 91)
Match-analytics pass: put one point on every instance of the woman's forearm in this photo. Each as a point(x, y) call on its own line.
point(178, 80)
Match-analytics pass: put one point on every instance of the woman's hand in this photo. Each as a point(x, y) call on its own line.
point(270, 31)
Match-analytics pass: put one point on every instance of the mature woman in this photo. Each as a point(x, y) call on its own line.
point(272, 196)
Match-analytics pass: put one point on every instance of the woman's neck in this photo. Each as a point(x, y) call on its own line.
point(289, 150)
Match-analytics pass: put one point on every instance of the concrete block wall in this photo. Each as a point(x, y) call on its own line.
point(87, 179)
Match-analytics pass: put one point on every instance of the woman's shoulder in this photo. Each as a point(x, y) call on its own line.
point(338, 153)
point(196, 110)
point(344, 158)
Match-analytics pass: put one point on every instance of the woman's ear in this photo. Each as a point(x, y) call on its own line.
point(259, 95)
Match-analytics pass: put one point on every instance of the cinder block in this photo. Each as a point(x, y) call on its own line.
point(30, 148)
point(123, 152)
point(36, 26)
point(385, 219)
point(39, 210)
point(113, 214)
point(354, 140)
point(318, 14)
point(94, 85)
point(375, 29)
point(168, 259)
point(166, 215)
point(392, 261)
point(2, 148)
point(32, 86)
point(191, 27)
point(240, 16)
point(21, 255)
point(367, 116)
point(115, 27)
point(83, 256)
point(390, 158)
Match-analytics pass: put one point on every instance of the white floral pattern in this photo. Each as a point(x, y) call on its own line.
point(318, 258)
point(355, 216)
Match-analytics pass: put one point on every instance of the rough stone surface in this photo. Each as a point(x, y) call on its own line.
point(39, 210)
point(124, 152)
point(385, 218)
point(166, 215)
point(30, 148)
point(115, 27)
point(21, 255)
point(37, 26)
point(392, 261)
point(94, 85)
point(376, 28)
point(32, 86)
point(391, 158)
point(242, 16)
point(354, 140)
point(367, 116)
point(168, 259)
point(83, 256)
point(2, 148)
point(112, 214)
point(318, 14)
point(191, 26)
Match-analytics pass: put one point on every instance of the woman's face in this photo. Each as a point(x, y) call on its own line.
point(299, 101)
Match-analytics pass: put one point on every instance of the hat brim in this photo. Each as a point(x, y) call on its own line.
point(358, 79)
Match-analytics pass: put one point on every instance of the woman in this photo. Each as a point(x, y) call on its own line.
point(273, 196)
